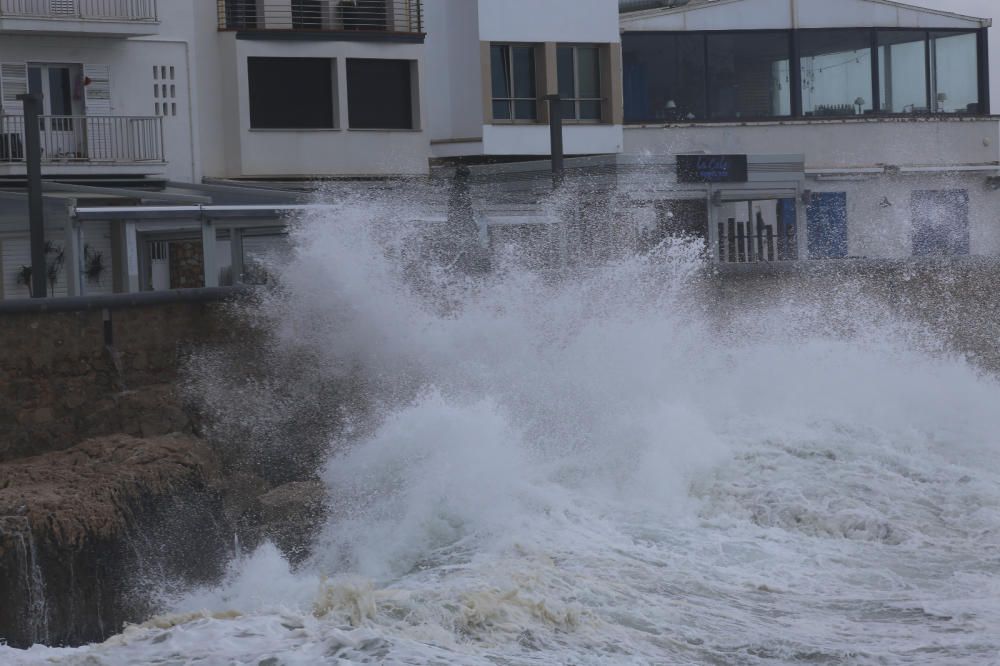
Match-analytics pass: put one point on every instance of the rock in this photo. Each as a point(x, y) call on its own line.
point(291, 514)
point(67, 553)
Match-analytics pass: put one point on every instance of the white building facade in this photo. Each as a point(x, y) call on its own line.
point(860, 128)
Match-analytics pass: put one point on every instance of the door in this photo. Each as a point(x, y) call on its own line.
point(59, 86)
point(159, 265)
point(826, 217)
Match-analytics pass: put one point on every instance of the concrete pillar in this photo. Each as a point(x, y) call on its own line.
point(131, 258)
point(210, 258)
point(236, 254)
point(73, 250)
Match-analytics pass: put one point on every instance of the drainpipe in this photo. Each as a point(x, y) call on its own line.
point(36, 211)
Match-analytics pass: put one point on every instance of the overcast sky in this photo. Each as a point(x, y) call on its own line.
point(982, 9)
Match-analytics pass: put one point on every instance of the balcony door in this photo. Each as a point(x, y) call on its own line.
point(62, 103)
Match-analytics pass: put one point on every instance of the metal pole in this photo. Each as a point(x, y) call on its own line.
point(36, 213)
point(556, 137)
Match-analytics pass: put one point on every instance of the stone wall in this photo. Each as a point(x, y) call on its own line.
point(187, 269)
point(60, 383)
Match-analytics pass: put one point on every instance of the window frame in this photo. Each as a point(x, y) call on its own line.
point(413, 85)
point(795, 36)
point(335, 121)
point(513, 119)
point(577, 100)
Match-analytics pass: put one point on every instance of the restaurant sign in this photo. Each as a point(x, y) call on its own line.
point(711, 168)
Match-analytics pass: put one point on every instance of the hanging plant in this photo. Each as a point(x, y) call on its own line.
point(55, 258)
point(93, 264)
point(24, 277)
point(55, 264)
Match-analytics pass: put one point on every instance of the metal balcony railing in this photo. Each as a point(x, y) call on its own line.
point(111, 140)
point(740, 243)
point(88, 10)
point(387, 16)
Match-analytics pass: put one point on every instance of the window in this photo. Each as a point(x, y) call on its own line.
point(380, 94)
point(956, 81)
point(748, 75)
point(512, 73)
point(579, 72)
point(717, 75)
point(940, 222)
point(291, 93)
point(836, 69)
point(902, 71)
point(665, 77)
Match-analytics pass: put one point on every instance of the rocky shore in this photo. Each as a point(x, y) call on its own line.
point(109, 494)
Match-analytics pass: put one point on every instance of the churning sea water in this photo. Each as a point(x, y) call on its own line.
point(612, 468)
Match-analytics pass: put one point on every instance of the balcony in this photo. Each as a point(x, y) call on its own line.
point(397, 20)
point(100, 18)
point(85, 141)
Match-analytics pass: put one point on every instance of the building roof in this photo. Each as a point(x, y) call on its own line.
point(782, 14)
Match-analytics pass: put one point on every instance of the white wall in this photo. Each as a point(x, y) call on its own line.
point(548, 20)
point(877, 230)
point(131, 63)
point(453, 79)
point(833, 144)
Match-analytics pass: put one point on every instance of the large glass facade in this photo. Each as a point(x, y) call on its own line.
point(902, 71)
point(836, 72)
point(747, 75)
point(955, 83)
point(664, 77)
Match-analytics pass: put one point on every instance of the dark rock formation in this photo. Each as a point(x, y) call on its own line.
point(77, 525)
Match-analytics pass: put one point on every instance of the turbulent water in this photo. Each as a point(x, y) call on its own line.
point(612, 468)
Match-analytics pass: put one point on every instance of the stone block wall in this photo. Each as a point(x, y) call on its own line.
point(60, 383)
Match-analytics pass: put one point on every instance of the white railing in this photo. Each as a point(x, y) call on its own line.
point(89, 10)
point(120, 140)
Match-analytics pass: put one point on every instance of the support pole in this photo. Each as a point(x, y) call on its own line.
point(236, 254)
point(36, 212)
point(556, 138)
point(210, 260)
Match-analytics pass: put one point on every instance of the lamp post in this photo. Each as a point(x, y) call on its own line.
point(36, 213)
point(556, 138)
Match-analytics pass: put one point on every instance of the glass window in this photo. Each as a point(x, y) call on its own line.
point(379, 94)
point(954, 61)
point(664, 77)
point(512, 71)
point(836, 68)
point(902, 68)
point(579, 72)
point(291, 93)
point(940, 222)
point(748, 75)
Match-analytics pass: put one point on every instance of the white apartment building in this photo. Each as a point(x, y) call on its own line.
point(148, 99)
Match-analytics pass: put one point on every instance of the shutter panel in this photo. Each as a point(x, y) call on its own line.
point(13, 82)
point(97, 102)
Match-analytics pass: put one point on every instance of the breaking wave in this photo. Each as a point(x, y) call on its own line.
point(627, 465)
